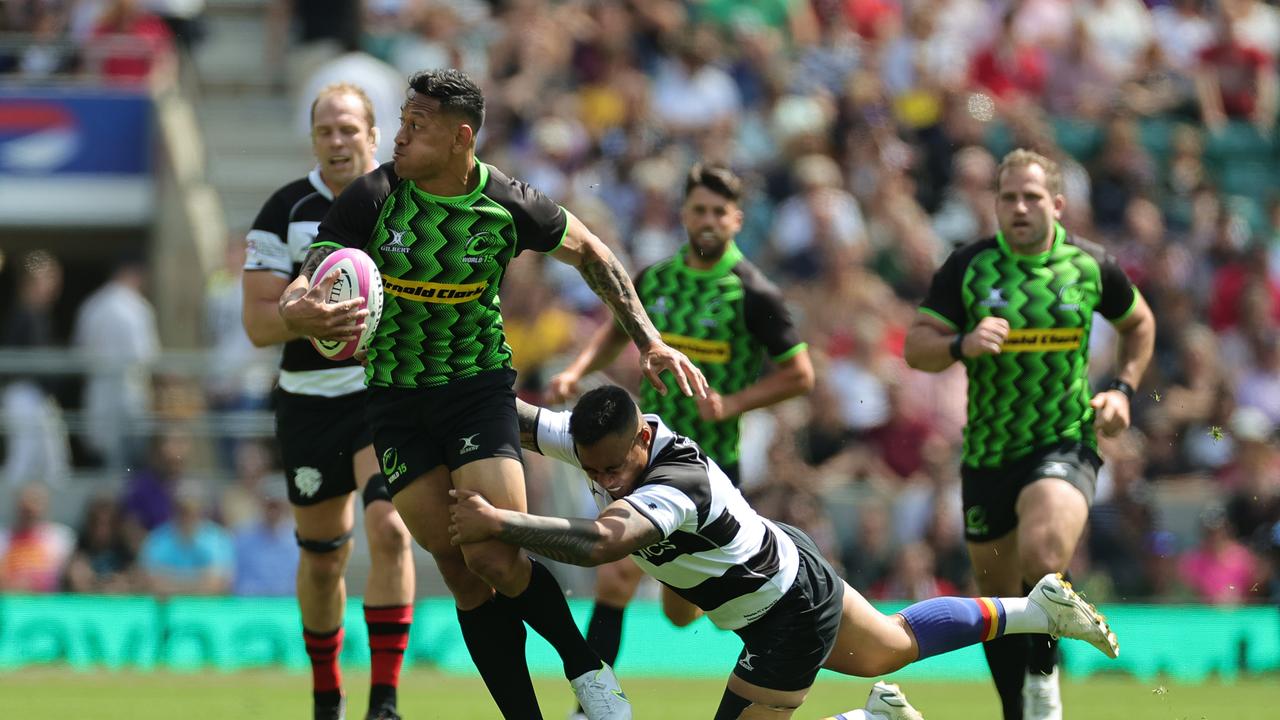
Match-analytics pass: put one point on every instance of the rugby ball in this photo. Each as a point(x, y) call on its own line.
point(358, 277)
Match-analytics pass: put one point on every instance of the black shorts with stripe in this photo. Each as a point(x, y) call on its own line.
point(786, 647)
point(990, 495)
point(319, 437)
point(418, 429)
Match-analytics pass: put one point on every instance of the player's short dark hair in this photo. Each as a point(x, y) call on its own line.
point(456, 92)
point(716, 178)
point(602, 412)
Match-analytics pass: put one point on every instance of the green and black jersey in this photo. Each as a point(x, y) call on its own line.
point(442, 261)
point(726, 320)
point(1036, 391)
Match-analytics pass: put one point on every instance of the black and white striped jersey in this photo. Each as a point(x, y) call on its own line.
point(716, 551)
point(281, 236)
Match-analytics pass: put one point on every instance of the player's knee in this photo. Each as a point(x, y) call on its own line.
point(323, 569)
point(387, 535)
point(468, 590)
point(496, 563)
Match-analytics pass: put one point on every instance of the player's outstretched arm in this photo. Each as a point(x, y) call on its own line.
point(305, 309)
point(617, 532)
point(600, 352)
point(1137, 344)
point(607, 278)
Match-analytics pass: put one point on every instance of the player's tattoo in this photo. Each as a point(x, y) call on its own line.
point(310, 263)
point(577, 541)
point(527, 417)
point(607, 278)
point(315, 256)
point(572, 541)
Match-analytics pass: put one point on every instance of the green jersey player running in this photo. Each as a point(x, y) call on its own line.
point(1016, 310)
point(442, 228)
point(712, 303)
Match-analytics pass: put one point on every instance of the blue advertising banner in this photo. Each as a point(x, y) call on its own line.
point(75, 156)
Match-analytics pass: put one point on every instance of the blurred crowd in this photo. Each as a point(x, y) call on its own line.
point(868, 133)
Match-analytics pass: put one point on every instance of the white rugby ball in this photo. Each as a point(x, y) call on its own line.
point(358, 277)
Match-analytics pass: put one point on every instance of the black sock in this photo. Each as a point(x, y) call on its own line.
point(604, 632)
point(731, 706)
point(543, 606)
point(1007, 657)
point(1042, 650)
point(495, 638)
point(382, 696)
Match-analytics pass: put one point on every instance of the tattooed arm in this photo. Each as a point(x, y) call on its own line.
point(617, 532)
point(527, 418)
point(607, 278)
point(305, 308)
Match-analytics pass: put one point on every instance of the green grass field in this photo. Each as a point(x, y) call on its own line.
point(39, 693)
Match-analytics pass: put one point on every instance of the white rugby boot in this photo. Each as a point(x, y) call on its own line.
point(886, 702)
point(1071, 617)
point(1041, 696)
point(600, 695)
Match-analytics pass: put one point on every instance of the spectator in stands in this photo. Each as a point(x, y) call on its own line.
point(34, 551)
point(1259, 385)
point(969, 201)
point(913, 576)
point(190, 554)
point(103, 561)
point(240, 375)
point(868, 560)
point(1254, 505)
point(819, 226)
point(1013, 68)
point(1235, 81)
point(148, 499)
point(36, 437)
point(1220, 570)
point(1121, 171)
point(1123, 519)
point(266, 552)
point(185, 19)
point(116, 326)
point(129, 45)
point(241, 501)
point(1182, 31)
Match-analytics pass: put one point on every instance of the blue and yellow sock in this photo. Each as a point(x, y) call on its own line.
point(950, 623)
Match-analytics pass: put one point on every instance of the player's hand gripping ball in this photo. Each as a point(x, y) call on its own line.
point(358, 277)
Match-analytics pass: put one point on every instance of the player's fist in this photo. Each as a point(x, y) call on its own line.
point(1112, 408)
point(986, 338)
point(471, 518)
point(712, 407)
point(562, 386)
point(312, 315)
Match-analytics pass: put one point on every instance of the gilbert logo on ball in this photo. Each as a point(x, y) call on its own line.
point(358, 277)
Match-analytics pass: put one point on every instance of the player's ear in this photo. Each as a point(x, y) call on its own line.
point(464, 137)
point(375, 136)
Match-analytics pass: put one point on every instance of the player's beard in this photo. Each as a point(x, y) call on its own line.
point(708, 245)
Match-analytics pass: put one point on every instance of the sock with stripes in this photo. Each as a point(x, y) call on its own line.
point(388, 638)
point(495, 637)
point(326, 675)
point(543, 606)
point(950, 623)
